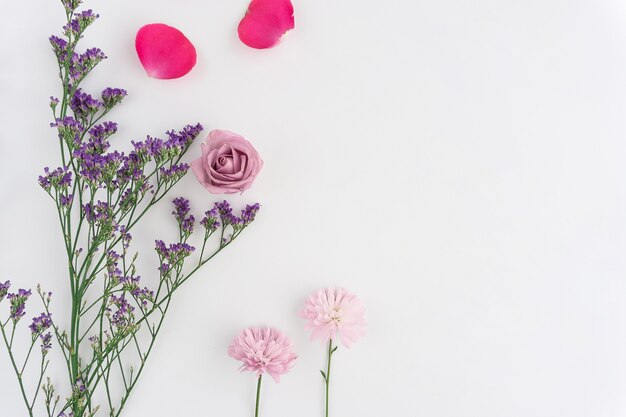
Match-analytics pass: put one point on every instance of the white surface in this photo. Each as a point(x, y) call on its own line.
point(459, 165)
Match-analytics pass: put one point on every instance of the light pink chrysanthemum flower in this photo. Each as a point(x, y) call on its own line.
point(334, 313)
point(263, 350)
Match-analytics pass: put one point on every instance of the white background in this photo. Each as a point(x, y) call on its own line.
point(457, 164)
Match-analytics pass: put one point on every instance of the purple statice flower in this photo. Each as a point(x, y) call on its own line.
point(113, 96)
point(69, 129)
point(46, 343)
point(95, 343)
point(53, 102)
point(172, 255)
point(115, 274)
point(4, 289)
point(226, 214)
point(183, 138)
point(60, 178)
point(40, 324)
point(249, 213)
point(98, 170)
point(18, 304)
point(59, 46)
point(126, 237)
point(186, 226)
point(71, 5)
point(79, 387)
point(181, 209)
point(131, 168)
point(101, 215)
point(174, 173)
point(143, 296)
point(209, 221)
point(123, 318)
point(84, 105)
point(100, 132)
point(129, 283)
point(85, 62)
point(65, 200)
point(79, 23)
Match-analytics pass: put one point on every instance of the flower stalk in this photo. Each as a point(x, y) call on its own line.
point(258, 396)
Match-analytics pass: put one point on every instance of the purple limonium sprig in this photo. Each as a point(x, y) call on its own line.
point(40, 324)
point(79, 23)
point(46, 342)
point(113, 96)
point(185, 222)
point(4, 289)
point(18, 304)
point(60, 178)
point(210, 220)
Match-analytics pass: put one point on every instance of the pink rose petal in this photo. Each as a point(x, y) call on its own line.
point(265, 23)
point(164, 51)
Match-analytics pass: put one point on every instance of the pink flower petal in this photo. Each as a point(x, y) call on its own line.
point(265, 23)
point(164, 51)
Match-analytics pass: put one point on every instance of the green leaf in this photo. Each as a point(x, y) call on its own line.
point(323, 375)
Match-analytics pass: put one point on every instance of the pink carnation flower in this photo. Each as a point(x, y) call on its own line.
point(263, 350)
point(334, 313)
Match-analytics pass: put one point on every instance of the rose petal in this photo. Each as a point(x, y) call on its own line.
point(265, 23)
point(164, 51)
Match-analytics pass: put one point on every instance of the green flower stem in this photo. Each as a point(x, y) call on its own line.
point(258, 395)
point(17, 372)
point(331, 350)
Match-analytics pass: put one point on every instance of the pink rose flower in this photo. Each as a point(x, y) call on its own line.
point(229, 163)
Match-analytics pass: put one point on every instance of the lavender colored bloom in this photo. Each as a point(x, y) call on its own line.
point(71, 5)
point(126, 237)
point(184, 137)
point(181, 208)
point(53, 102)
point(102, 131)
point(46, 343)
point(4, 289)
point(209, 221)
point(69, 130)
point(226, 214)
point(79, 386)
point(113, 96)
point(143, 295)
point(84, 105)
point(249, 213)
point(175, 173)
point(98, 170)
point(123, 318)
point(18, 304)
point(60, 178)
point(79, 23)
point(172, 255)
point(40, 324)
point(59, 46)
point(85, 62)
point(66, 200)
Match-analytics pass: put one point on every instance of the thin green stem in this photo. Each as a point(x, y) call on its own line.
point(327, 376)
point(17, 372)
point(258, 396)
